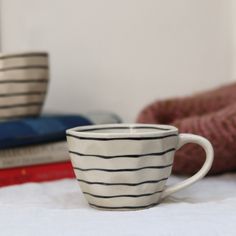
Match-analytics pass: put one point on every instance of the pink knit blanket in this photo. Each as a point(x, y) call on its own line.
point(211, 114)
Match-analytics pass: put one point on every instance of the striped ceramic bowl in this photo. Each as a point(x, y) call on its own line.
point(23, 84)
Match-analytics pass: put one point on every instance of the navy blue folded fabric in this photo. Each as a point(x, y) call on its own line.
point(38, 130)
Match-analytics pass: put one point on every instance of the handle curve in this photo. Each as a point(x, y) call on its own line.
point(191, 138)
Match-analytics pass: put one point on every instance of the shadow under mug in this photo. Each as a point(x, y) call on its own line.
point(126, 166)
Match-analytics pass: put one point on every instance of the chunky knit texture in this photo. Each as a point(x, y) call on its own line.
point(211, 114)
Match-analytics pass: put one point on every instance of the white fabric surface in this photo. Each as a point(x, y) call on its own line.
point(58, 208)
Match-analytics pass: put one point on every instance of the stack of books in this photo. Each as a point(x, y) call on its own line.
point(35, 149)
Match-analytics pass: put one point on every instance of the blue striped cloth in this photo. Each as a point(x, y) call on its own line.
point(38, 130)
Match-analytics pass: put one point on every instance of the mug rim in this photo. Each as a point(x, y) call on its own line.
point(87, 131)
point(6, 55)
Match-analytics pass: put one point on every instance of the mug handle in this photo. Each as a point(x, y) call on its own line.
point(191, 138)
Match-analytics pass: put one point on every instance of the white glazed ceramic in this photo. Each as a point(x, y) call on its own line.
point(126, 166)
point(23, 84)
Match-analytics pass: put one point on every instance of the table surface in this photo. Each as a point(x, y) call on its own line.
point(59, 208)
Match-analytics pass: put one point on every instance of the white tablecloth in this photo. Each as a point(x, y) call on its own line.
point(58, 208)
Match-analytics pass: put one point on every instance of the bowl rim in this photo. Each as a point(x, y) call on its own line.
point(6, 55)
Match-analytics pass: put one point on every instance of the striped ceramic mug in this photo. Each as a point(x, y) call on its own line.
point(126, 166)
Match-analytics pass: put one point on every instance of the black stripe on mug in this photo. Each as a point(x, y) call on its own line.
point(43, 67)
point(21, 105)
point(120, 196)
point(124, 184)
point(22, 94)
point(124, 156)
point(33, 54)
point(123, 170)
point(124, 207)
point(11, 81)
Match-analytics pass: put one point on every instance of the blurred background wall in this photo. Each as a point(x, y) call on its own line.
point(121, 55)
